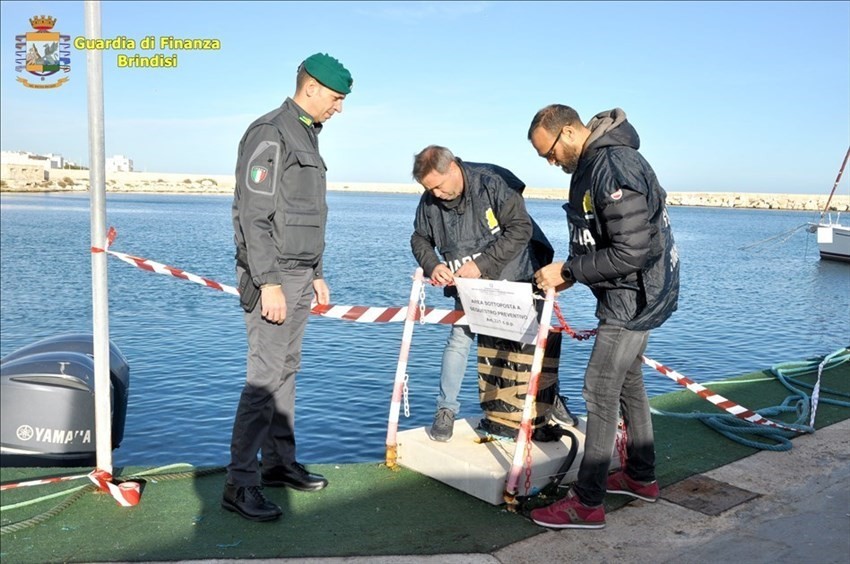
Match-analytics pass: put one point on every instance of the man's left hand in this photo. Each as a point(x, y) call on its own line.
point(323, 293)
point(468, 270)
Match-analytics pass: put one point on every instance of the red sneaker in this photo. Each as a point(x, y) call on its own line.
point(570, 513)
point(620, 483)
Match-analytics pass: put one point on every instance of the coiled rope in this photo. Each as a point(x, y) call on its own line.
point(78, 492)
point(41, 518)
point(799, 402)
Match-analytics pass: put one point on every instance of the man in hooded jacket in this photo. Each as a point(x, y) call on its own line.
point(622, 247)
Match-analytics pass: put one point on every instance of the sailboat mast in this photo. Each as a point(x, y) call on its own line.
point(100, 298)
point(834, 186)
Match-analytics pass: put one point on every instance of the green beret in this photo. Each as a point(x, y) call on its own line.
point(329, 72)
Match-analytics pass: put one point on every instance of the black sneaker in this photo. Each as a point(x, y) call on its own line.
point(560, 414)
point(249, 502)
point(443, 426)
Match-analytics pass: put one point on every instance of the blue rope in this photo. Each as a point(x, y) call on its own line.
point(799, 402)
point(788, 372)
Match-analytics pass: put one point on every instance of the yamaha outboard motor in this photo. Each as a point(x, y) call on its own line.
point(47, 402)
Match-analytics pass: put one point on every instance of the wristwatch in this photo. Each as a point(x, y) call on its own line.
point(567, 273)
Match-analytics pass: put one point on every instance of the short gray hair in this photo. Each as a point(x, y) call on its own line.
point(429, 159)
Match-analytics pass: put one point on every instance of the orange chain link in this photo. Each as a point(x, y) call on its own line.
point(580, 335)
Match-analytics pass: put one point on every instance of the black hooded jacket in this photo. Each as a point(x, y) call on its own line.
point(621, 244)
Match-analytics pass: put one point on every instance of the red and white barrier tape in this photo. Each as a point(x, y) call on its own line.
point(127, 494)
point(359, 314)
point(700, 390)
point(366, 314)
point(41, 482)
point(159, 268)
point(718, 400)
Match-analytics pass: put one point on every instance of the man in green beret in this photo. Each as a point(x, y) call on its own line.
point(279, 217)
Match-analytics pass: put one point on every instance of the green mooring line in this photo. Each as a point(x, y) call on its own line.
point(799, 402)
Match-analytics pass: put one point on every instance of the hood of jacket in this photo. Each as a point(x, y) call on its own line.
point(609, 129)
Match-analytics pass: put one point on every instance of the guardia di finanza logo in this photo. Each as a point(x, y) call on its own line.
point(43, 53)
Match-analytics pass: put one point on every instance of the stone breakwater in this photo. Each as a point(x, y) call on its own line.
point(171, 183)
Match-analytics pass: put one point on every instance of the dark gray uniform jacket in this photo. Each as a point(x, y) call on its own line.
point(279, 204)
point(487, 223)
point(621, 244)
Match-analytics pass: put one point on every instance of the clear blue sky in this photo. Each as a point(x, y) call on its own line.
point(726, 96)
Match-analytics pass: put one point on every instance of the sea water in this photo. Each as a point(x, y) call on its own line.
point(740, 310)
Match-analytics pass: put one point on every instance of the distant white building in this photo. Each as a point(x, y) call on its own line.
point(119, 163)
point(18, 157)
point(56, 161)
point(26, 158)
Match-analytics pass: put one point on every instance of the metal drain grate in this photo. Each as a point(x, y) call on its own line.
point(706, 495)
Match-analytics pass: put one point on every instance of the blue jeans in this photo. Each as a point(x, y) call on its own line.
point(613, 383)
point(455, 359)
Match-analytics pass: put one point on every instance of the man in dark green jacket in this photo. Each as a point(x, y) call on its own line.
point(622, 247)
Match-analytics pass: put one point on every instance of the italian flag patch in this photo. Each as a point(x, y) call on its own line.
point(258, 174)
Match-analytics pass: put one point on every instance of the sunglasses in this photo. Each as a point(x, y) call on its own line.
point(550, 154)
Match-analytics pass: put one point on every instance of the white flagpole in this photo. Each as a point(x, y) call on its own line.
point(100, 302)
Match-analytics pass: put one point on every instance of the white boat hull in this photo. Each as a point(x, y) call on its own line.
point(834, 242)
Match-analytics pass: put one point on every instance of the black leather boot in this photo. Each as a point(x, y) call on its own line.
point(249, 502)
point(294, 476)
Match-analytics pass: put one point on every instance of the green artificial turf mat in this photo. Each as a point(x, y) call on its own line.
point(367, 510)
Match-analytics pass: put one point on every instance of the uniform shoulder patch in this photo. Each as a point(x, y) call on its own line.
point(258, 174)
point(262, 167)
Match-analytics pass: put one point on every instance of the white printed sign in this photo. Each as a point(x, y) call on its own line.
point(499, 308)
